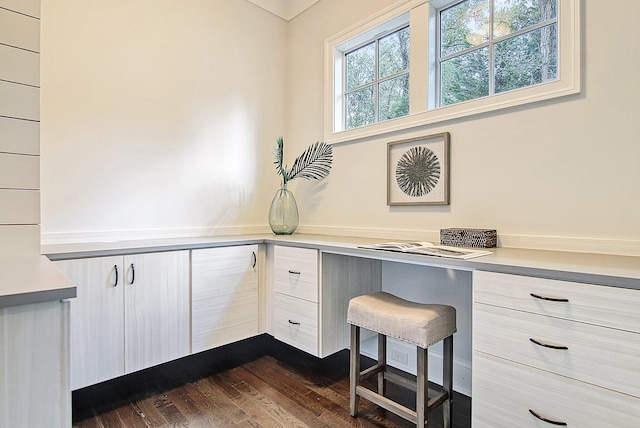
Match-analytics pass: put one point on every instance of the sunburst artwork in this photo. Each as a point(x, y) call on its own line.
point(418, 171)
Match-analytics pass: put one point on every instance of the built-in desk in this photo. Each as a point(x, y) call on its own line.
point(595, 283)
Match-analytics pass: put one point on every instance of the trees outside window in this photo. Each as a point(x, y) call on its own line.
point(377, 80)
point(492, 46)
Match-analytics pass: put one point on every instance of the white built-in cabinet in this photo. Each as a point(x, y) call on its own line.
point(225, 305)
point(131, 312)
point(311, 293)
point(554, 353)
point(34, 365)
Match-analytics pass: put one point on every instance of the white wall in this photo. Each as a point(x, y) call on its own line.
point(159, 117)
point(19, 127)
point(557, 174)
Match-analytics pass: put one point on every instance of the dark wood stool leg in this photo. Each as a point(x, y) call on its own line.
point(382, 360)
point(422, 387)
point(354, 370)
point(447, 381)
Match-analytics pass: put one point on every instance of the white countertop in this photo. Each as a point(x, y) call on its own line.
point(33, 279)
point(612, 270)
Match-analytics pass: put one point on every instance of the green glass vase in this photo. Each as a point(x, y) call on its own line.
point(283, 214)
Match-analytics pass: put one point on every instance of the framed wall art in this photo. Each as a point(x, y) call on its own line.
point(418, 171)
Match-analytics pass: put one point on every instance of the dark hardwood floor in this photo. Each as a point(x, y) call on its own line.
point(255, 383)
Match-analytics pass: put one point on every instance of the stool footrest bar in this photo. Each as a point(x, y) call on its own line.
point(387, 404)
point(365, 374)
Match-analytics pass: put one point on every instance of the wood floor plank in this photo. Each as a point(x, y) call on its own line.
point(225, 398)
point(326, 411)
point(208, 410)
point(131, 417)
point(268, 400)
point(151, 413)
point(259, 383)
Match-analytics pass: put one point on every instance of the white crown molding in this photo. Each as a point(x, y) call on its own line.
point(285, 9)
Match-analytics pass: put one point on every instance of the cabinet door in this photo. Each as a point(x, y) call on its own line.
point(97, 319)
point(224, 293)
point(157, 327)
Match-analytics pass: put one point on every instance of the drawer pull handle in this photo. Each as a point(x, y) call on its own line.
point(547, 420)
point(115, 268)
point(294, 272)
point(547, 345)
point(294, 322)
point(551, 299)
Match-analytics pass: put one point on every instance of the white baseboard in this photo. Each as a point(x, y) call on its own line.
point(461, 369)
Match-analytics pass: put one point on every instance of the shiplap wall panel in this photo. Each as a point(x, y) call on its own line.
point(19, 136)
point(19, 30)
point(19, 172)
point(16, 241)
point(19, 101)
point(18, 65)
point(19, 206)
point(27, 7)
point(19, 127)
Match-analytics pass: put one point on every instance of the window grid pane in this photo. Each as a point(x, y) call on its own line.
point(360, 107)
point(394, 53)
point(464, 26)
point(526, 60)
point(361, 66)
point(393, 97)
point(521, 46)
point(465, 77)
point(372, 96)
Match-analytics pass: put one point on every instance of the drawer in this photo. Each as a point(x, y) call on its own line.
point(296, 322)
point(504, 392)
point(595, 304)
point(602, 356)
point(296, 272)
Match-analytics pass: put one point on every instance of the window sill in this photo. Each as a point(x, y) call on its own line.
point(496, 102)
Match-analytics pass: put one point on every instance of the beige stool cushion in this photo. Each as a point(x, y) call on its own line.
point(417, 323)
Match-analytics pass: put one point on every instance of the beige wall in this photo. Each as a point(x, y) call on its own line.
point(158, 117)
point(557, 174)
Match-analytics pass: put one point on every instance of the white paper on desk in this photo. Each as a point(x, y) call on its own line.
point(428, 249)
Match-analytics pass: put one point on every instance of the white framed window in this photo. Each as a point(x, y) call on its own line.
point(465, 57)
point(376, 79)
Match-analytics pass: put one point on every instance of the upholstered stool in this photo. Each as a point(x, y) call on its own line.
point(420, 324)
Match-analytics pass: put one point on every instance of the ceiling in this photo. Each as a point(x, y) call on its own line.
point(286, 9)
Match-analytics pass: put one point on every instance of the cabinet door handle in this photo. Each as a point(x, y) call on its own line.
point(294, 272)
point(547, 420)
point(255, 259)
point(133, 274)
point(115, 268)
point(547, 345)
point(550, 299)
point(294, 322)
